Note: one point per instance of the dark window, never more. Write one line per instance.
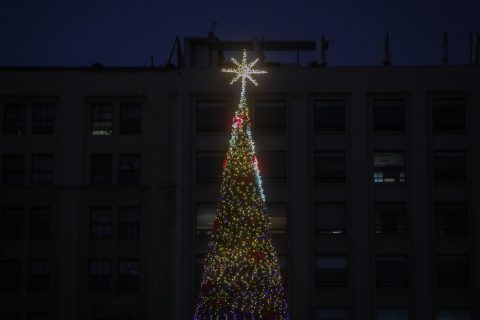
(392, 271)
(14, 119)
(209, 166)
(42, 169)
(451, 217)
(39, 276)
(100, 223)
(330, 167)
(392, 314)
(330, 218)
(390, 218)
(453, 271)
(454, 314)
(43, 118)
(13, 170)
(206, 213)
(270, 115)
(129, 169)
(448, 114)
(130, 118)
(40, 223)
(129, 226)
(388, 115)
(273, 166)
(211, 116)
(282, 262)
(102, 119)
(10, 276)
(199, 260)
(99, 279)
(450, 166)
(389, 167)
(329, 115)
(101, 169)
(11, 227)
(323, 313)
(38, 316)
(331, 271)
(277, 212)
(128, 275)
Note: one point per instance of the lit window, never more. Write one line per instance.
(42, 169)
(209, 166)
(277, 212)
(13, 170)
(331, 314)
(129, 169)
(10, 276)
(206, 213)
(211, 115)
(129, 226)
(128, 275)
(270, 115)
(390, 218)
(43, 118)
(101, 169)
(392, 314)
(392, 271)
(273, 166)
(388, 115)
(448, 114)
(450, 166)
(100, 223)
(130, 118)
(389, 167)
(39, 276)
(99, 279)
(331, 271)
(454, 314)
(102, 119)
(329, 115)
(330, 218)
(330, 167)
(453, 271)
(40, 223)
(451, 218)
(14, 119)
(11, 224)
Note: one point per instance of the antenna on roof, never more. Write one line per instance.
(444, 46)
(475, 48)
(387, 54)
(322, 48)
(213, 23)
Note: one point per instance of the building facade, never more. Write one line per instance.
(110, 177)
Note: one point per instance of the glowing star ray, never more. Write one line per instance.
(244, 71)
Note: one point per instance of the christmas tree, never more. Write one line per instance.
(241, 274)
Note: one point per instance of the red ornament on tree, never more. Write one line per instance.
(258, 256)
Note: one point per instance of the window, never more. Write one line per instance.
(11, 227)
(102, 119)
(211, 115)
(331, 314)
(273, 166)
(330, 167)
(448, 114)
(42, 169)
(10, 276)
(329, 115)
(129, 227)
(450, 166)
(100, 223)
(128, 279)
(390, 218)
(453, 271)
(206, 213)
(454, 314)
(391, 271)
(392, 314)
(43, 117)
(39, 276)
(331, 271)
(99, 276)
(199, 259)
(389, 167)
(277, 212)
(14, 119)
(40, 223)
(101, 169)
(282, 261)
(13, 170)
(451, 218)
(129, 167)
(209, 166)
(330, 218)
(388, 115)
(270, 115)
(130, 118)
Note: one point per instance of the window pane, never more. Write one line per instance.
(450, 166)
(101, 169)
(209, 166)
(331, 271)
(206, 213)
(99, 276)
(40, 223)
(11, 223)
(391, 271)
(273, 166)
(454, 314)
(43, 118)
(331, 314)
(10, 276)
(128, 275)
(451, 217)
(392, 314)
(330, 218)
(270, 115)
(129, 227)
(390, 218)
(39, 276)
(329, 115)
(102, 119)
(42, 169)
(130, 118)
(100, 223)
(129, 169)
(453, 271)
(448, 114)
(211, 116)
(277, 212)
(14, 119)
(13, 170)
(389, 167)
(388, 115)
(330, 167)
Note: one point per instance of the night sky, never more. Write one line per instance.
(126, 33)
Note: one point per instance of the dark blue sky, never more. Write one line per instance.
(126, 33)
